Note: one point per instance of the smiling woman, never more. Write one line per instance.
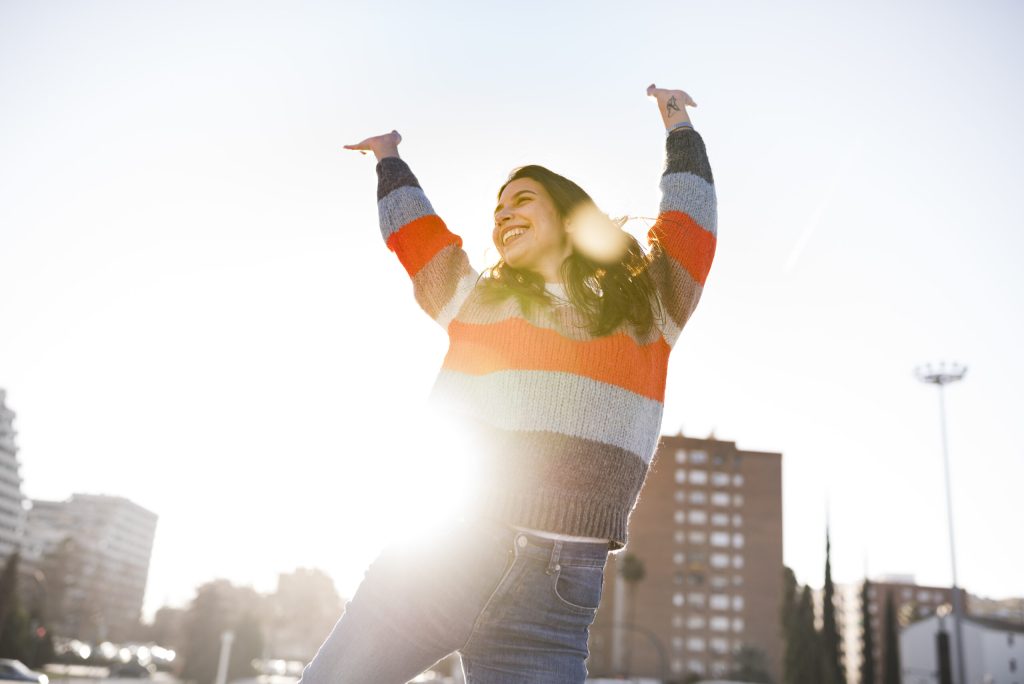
(553, 390)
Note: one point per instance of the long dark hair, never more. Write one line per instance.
(606, 287)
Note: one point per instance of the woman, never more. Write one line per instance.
(556, 368)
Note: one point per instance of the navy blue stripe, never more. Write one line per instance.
(393, 172)
(686, 153)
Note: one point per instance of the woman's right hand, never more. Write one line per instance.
(385, 145)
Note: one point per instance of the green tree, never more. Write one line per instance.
(867, 639)
(809, 668)
(219, 606)
(749, 664)
(8, 590)
(831, 649)
(891, 638)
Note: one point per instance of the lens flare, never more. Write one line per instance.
(596, 236)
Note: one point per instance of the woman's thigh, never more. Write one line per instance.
(417, 603)
(535, 628)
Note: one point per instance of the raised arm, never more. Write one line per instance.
(683, 238)
(432, 255)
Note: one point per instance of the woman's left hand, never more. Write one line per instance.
(672, 104)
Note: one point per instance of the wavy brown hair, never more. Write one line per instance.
(607, 291)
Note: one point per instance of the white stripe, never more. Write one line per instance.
(554, 401)
(462, 290)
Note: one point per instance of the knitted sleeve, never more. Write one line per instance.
(683, 237)
(432, 255)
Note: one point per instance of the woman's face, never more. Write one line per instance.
(528, 231)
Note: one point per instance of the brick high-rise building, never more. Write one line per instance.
(708, 529)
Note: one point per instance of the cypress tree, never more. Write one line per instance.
(809, 667)
(788, 621)
(891, 671)
(867, 652)
(830, 647)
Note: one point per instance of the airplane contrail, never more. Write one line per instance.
(826, 199)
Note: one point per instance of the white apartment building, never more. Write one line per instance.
(993, 650)
(12, 513)
(107, 542)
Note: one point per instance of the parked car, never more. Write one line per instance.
(15, 670)
(133, 669)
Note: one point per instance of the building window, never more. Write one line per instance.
(719, 560)
(737, 541)
(720, 479)
(677, 621)
(698, 456)
(737, 580)
(737, 625)
(698, 477)
(719, 581)
(680, 476)
(737, 561)
(719, 623)
(678, 558)
(678, 577)
(717, 460)
(737, 480)
(719, 499)
(737, 520)
(719, 602)
(718, 668)
(680, 536)
(698, 517)
(677, 666)
(680, 455)
(697, 599)
(695, 622)
(696, 666)
(680, 517)
(697, 537)
(737, 603)
(680, 496)
(719, 645)
(719, 538)
(678, 600)
(1013, 664)
(696, 579)
(695, 644)
(720, 519)
(698, 497)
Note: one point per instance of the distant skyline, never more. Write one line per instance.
(197, 311)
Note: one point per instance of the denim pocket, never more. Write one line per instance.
(579, 587)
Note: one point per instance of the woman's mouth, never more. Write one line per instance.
(511, 234)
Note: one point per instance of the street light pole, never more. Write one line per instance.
(940, 376)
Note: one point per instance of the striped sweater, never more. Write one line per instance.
(563, 425)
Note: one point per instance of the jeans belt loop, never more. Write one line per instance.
(556, 550)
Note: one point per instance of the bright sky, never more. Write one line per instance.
(198, 312)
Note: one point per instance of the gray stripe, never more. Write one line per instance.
(401, 206)
(552, 401)
(690, 194)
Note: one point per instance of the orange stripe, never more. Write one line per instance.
(686, 242)
(418, 241)
(515, 344)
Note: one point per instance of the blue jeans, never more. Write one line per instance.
(517, 607)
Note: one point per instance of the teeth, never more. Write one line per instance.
(511, 235)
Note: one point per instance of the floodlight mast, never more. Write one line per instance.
(940, 376)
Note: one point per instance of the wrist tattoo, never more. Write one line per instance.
(671, 106)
